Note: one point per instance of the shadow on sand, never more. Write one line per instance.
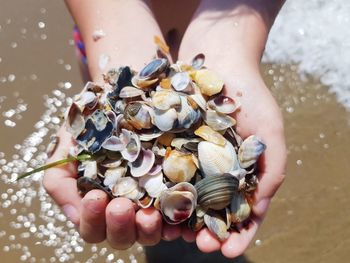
(181, 251)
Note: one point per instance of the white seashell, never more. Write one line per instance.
(143, 164)
(153, 184)
(113, 143)
(127, 187)
(132, 147)
(75, 122)
(217, 225)
(165, 99)
(178, 202)
(215, 159)
(217, 121)
(250, 150)
(90, 169)
(198, 97)
(179, 166)
(164, 120)
(223, 104)
(112, 175)
(130, 92)
(181, 82)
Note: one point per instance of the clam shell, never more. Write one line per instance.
(178, 203)
(208, 81)
(217, 121)
(196, 221)
(127, 187)
(144, 84)
(132, 147)
(143, 164)
(165, 99)
(250, 150)
(153, 184)
(145, 201)
(154, 68)
(210, 135)
(198, 61)
(178, 143)
(215, 159)
(90, 169)
(138, 115)
(86, 184)
(75, 122)
(181, 82)
(187, 115)
(164, 120)
(223, 104)
(112, 175)
(217, 225)
(130, 92)
(216, 192)
(240, 208)
(113, 143)
(179, 167)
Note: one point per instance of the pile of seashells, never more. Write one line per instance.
(164, 137)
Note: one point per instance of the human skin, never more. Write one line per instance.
(232, 35)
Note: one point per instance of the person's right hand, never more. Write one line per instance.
(98, 218)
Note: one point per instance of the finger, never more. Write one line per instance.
(188, 235)
(92, 219)
(206, 242)
(149, 226)
(171, 232)
(120, 219)
(272, 167)
(237, 243)
(60, 182)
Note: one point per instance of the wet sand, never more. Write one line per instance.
(308, 219)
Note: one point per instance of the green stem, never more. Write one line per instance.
(81, 158)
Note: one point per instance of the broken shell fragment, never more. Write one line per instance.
(179, 166)
(130, 92)
(217, 225)
(178, 203)
(210, 135)
(165, 99)
(208, 81)
(75, 122)
(250, 150)
(240, 208)
(138, 115)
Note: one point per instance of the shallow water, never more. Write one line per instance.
(309, 217)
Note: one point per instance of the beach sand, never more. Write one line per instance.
(309, 216)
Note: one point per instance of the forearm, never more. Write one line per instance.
(231, 33)
(129, 27)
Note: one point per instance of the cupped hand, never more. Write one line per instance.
(260, 115)
(98, 218)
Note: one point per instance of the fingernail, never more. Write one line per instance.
(261, 207)
(121, 217)
(72, 213)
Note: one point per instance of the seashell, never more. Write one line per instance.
(144, 83)
(223, 104)
(98, 128)
(250, 150)
(113, 143)
(198, 61)
(143, 164)
(187, 115)
(240, 208)
(181, 82)
(215, 159)
(210, 135)
(208, 81)
(132, 146)
(178, 203)
(112, 175)
(164, 120)
(154, 68)
(145, 201)
(216, 192)
(90, 169)
(75, 122)
(178, 143)
(165, 84)
(196, 221)
(233, 138)
(88, 99)
(138, 115)
(217, 225)
(86, 184)
(52, 146)
(217, 121)
(148, 135)
(165, 99)
(198, 97)
(153, 184)
(130, 92)
(127, 187)
(111, 162)
(179, 166)
(166, 138)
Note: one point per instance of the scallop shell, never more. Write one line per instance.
(215, 159)
(179, 167)
(178, 203)
(250, 150)
(208, 81)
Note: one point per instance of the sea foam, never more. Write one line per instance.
(316, 35)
